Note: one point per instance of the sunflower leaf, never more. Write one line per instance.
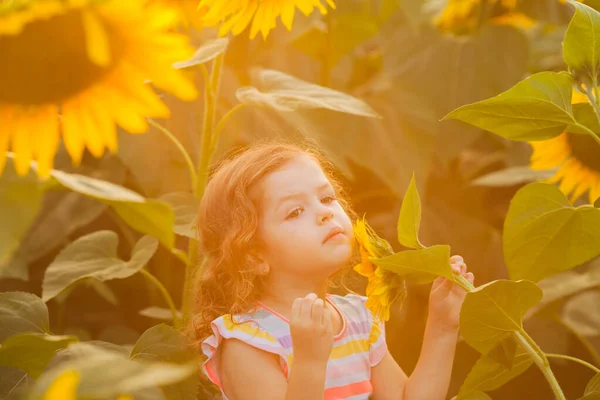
(536, 108)
(581, 45)
(283, 92)
(94, 256)
(208, 51)
(409, 219)
(492, 312)
(488, 374)
(419, 266)
(544, 234)
(31, 352)
(22, 312)
(578, 313)
(593, 386)
(511, 176)
(475, 395)
(185, 207)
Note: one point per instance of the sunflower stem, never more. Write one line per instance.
(593, 101)
(221, 124)
(177, 143)
(165, 293)
(463, 282)
(574, 359)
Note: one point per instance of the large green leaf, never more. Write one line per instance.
(206, 52)
(581, 45)
(409, 219)
(94, 256)
(31, 352)
(488, 374)
(20, 201)
(419, 266)
(536, 108)
(22, 312)
(494, 311)
(592, 389)
(544, 234)
(148, 216)
(104, 373)
(512, 176)
(185, 207)
(582, 312)
(163, 343)
(283, 92)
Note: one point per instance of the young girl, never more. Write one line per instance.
(275, 228)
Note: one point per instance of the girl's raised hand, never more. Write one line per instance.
(311, 329)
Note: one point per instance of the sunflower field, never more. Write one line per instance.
(466, 127)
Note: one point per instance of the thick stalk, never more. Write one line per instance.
(574, 359)
(221, 124)
(177, 143)
(188, 283)
(165, 293)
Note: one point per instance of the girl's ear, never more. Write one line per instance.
(261, 266)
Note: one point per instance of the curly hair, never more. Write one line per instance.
(227, 225)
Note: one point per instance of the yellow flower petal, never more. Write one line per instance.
(64, 387)
(96, 38)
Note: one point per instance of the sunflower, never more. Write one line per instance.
(464, 13)
(78, 68)
(384, 287)
(235, 15)
(577, 157)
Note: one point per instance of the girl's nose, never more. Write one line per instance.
(325, 216)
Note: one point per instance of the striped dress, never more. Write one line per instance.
(356, 348)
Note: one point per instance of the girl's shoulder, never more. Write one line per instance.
(353, 306)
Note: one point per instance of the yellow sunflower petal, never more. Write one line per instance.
(287, 15)
(245, 18)
(72, 128)
(21, 143)
(47, 139)
(64, 387)
(96, 38)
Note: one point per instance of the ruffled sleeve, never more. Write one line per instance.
(248, 331)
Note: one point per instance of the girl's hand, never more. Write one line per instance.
(312, 333)
(446, 297)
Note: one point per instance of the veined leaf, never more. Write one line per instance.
(208, 51)
(159, 313)
(185, 207)
(409, 219)
(544, 234)
(22, 312)
(283, 92)
(94, 256)
(537, 108)
(419, 266)
(511, 176)
(581, 45)
(581, 312)
(31, 352)
(492, 312)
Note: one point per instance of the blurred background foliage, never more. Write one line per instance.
(412, 61)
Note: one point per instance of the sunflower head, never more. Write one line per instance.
(463, 15)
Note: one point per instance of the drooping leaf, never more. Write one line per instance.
(592, 389)
(208, 51)
(544, 234)
(31, 352)
(419, 266)
(581, 312)
(512, 176)
(283, 92)
(581, 45)
(537, 108)
(14, 383)
(20, 201)
(492, 312)
(488, 374)
(94, 256)
(409, 219)
(159, 313)
(22, 312)
(148, 216)
(163, 343)
(104, 373)
(185, 207)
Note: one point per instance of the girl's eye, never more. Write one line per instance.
(294, 213)
(327, 199)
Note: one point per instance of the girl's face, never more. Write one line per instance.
(298, 215)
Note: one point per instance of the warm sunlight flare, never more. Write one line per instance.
(384, 288)
(236, 15)
(77, 69)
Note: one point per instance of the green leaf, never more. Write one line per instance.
(94, 256)
(185, 207)
(488, 374)
(409, 219)
(593, 386)
(208, 51)
(511, 176)
(492, 312)
(163, 343)
(536, 108)
(544, 234)
(14, 383)
(105, 374)
(581, 45)
(419, 266)
(159, 313)
(20, 201)
(22, 312)
(283, 92)
(148, 216)
(31, 352)
(581, 312)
